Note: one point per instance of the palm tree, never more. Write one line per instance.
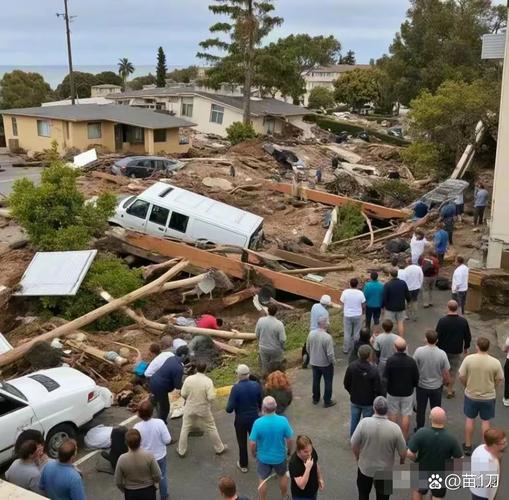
(125, 68)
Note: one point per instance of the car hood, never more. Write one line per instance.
(69, 380)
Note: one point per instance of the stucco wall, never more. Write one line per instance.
(79, 136)
(27, 133)
(171, 145)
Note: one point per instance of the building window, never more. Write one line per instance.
(94, 130)
(160, 135)
(178, 222)
(187, 107)
(136, 135)
(43, 128)
(14, 126)
(216, 114)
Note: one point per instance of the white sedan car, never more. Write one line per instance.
(56, 402)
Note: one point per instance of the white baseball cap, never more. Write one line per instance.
(326, 300)
(242, 370)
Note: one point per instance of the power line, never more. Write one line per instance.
(68, 19)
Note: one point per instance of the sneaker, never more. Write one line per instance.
(451, 395)
(225, 448)
(181, 455)
(467, 450)
(315, 402)
(505, 401)
(242, 469)
(332, 402)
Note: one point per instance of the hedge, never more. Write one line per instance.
(338, 126)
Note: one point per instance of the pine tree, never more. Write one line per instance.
(161, 68)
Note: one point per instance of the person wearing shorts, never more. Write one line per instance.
(395, 298)
(402, 377)
(270, 442)
(479, 373)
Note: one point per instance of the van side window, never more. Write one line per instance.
(159, 215)
(178, 222)
(139, 209)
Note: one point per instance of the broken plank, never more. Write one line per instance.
(237, 269)
(215, 305)
(298, 259)
(371, 209)
(326, 269)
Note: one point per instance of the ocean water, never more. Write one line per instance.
(55, 74)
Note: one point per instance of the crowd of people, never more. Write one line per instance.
(386, 383)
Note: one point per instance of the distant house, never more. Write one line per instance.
(214, 113)
(104, 90)
(116, 128)
(79, 100)
(325, 76)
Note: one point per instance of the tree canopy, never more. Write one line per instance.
(349, 58)
(108, 77)
(19, 89)
(161, 68)
(321, 97)
(250, 21)
(138, 82)
(440, 40)
(125, 68)
(358, 87)
(448, 117)
(183, 75)
(82, 83)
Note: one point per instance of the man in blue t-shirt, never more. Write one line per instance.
(270, 442)
(441, 240)
(374, 293)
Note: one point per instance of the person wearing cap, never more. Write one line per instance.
(271, 442)
(246, 401)
(166, 379)
(318, 310)
(374, 444)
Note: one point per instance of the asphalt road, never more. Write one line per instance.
(195, 477)
(8, 173)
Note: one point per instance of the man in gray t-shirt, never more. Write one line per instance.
(271, 336)
(433, 366)
(384, 348)
(374, 443)
(24, 471)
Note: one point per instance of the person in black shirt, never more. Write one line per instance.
(395, 298)
(362, 381)
(306, 477)
(454, 338)
(228, 489)
(402, 377)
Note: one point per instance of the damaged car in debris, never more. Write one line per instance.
(145, 166)
(284, 156)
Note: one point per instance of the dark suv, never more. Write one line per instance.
(144, 166)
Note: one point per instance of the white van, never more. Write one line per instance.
(167, 211)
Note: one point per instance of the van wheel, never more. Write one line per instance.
(56, 436)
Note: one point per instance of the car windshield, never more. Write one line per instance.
(12, 390)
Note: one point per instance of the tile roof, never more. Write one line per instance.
(127, 115)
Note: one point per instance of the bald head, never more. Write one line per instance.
(400, 344)
(452, 306)
(437, 416)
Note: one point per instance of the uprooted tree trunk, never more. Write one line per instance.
(158, 285)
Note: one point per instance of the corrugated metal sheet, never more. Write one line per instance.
(56, 273)
(493, 46)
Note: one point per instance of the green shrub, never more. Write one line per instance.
(395, 189)
(422, 158)
(239, 132)
(107, 272)
(350, 221)
(321, 97)
(54, 213)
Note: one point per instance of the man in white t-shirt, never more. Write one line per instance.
(354, 303)
(417, 245)
(485, 464)
(459, 286)
(160, 355)
(414, 278)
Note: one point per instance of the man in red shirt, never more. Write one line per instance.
(209, 321)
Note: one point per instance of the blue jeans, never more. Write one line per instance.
(163, 484)
(355, 415)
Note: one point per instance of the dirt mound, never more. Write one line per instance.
(13, 265)
(251, 148)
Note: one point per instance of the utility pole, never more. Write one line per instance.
(67, 19)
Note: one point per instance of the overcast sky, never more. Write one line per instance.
(105, 30)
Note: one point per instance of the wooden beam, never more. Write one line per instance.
(232, 267)
(298, 259)
(371, 209)
(326, 269)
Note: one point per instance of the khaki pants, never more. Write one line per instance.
(207, 424)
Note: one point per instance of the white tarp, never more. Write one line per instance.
(85, 158)
(56, 273)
